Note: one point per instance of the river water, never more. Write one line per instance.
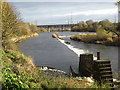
(48, 51)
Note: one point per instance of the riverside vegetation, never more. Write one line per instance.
(18, 70)
(56, 35)
(107, 33)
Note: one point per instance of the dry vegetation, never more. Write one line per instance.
(18, 71)
(56, 35)
(101, 37)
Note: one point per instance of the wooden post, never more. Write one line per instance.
(86, 65)
(98, 55)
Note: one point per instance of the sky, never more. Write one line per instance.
(47, 13)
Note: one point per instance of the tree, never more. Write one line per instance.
(101, 33)
(75, 28)
(110, 27)
(90, 25)
(23, 29)
(89, 22)
(107, 24)
(90, 28)
(85, 26)
(9, 22)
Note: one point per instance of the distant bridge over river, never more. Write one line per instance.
(57, 26)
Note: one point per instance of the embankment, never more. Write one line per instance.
(20, 72)
(18, 39)
(96, 39)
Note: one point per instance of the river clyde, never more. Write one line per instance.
(48, 51)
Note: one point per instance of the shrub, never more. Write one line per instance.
(101, 33)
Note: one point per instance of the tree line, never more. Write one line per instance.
(91, 26)
(12, 25)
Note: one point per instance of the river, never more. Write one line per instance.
(48, 51)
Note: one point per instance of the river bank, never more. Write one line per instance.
(81, 48)
(19, 71)
(60, 52)
(19, 39)
(95, 39)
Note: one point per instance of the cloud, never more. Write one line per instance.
(98, 12)
(83, 15)
(38, 15)
(91, 12)
(50, 13)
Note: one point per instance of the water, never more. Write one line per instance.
(48, 51)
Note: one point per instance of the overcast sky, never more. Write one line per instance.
(66, 12)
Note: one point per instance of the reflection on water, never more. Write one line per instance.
(50, 52)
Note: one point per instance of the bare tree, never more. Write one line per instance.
(9, 22)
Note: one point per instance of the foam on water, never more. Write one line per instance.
(75, 50)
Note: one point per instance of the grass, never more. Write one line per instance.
(26, 75)
(19, 71)
(33, 78)
(88, 38)
(56, 35)
(21, 38)
(97, 39)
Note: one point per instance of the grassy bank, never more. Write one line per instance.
(97, 39)
(18, 70)
(20, 38)
(56, 35)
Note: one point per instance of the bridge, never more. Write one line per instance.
(61, 27)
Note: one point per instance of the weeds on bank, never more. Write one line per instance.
(26, 75)
(96, 38)
(18, 71)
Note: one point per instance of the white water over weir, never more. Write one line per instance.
(75, 50)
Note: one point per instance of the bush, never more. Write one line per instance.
(101, 33)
